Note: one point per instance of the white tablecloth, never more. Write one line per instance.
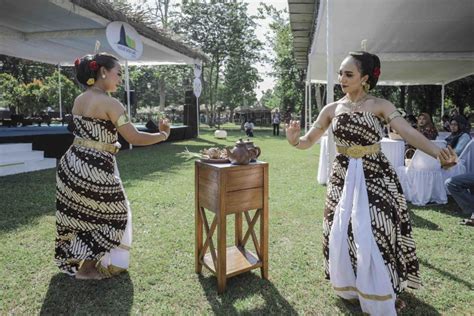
(323, 161)
(394, 150)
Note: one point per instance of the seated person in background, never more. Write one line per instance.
(461, 187)
(459, 134)
(248, 126)
(412, 120)
(426, 127)
(445, 120)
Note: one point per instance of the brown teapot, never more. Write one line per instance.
(240, 154)
(250, 145)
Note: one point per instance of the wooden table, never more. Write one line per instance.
(226, 189)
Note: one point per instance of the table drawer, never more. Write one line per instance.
(244, 179)
(244, 200)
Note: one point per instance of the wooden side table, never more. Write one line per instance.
(226, 189)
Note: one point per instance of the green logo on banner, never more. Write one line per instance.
(126, 40)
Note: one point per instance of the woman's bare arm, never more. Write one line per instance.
(129, 131)
(316, 131)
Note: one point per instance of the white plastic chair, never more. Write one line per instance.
(423, 180)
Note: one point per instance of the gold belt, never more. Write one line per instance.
(358, 151)
(111, 148)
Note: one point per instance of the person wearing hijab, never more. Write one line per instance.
(459, 134)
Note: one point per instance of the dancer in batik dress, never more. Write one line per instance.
(93, 218)
(368, 247)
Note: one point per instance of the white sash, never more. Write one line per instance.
(372, 286)
(118, 259)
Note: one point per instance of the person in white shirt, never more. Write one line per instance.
(276, 123)
(249, 126)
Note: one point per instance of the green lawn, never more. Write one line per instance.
(160, 185)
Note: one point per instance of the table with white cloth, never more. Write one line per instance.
(323, 161)
(394, 150)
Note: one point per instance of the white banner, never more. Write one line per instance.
(124, 40)
(197, 87)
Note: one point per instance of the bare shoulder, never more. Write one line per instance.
(382, 102)
(330, 108)
(383, 107)
(113, 107)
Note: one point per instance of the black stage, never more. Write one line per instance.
(55, 140)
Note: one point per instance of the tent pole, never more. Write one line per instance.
(309, 104)
(331, 147)
(305, 106)
(197, 122)
(442, 101)
(127, 88)
(59, 92)
(329, 53)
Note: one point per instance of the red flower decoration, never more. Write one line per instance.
(376, 72)
(77, 62)
(93, 65)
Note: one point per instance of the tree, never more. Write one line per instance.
(7, 88)
(69, 92)
(461, 93)
(241, 76)
(25, 71)
(31, 98)
(289, 88)
(207, 25)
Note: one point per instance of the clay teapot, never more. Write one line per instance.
(240, 154)
(250, 145)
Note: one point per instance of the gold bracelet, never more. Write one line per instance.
(122, 120)
(317, 125)
(393, 115)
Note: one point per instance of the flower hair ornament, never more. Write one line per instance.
(376, 72)
(93, 65)
(90, 81)
(77, 62)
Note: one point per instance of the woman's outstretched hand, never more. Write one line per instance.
(165, 126)
(293, 130)
(447, 157)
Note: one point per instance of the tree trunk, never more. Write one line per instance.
(409, 107)
(162, 95)
(402, 96)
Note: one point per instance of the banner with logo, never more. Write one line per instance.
(124, 40)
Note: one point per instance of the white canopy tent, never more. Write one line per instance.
(59, 31)
(419, 42)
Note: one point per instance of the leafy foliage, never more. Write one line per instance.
(288, 93)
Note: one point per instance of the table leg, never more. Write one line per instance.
(264, 228)
(221, 252)
(199, 234)
(238, 229)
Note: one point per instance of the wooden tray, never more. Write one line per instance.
(215, 160)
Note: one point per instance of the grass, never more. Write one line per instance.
(160, 186)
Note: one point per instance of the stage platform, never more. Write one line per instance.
(55, 140)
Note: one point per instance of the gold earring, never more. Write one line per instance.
(365, 86)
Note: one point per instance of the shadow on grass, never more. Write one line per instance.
(26, 197)
(414, 306)
(447, 209)
(242, 286)
(447, 274)
(68, 296)
(420, 222)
